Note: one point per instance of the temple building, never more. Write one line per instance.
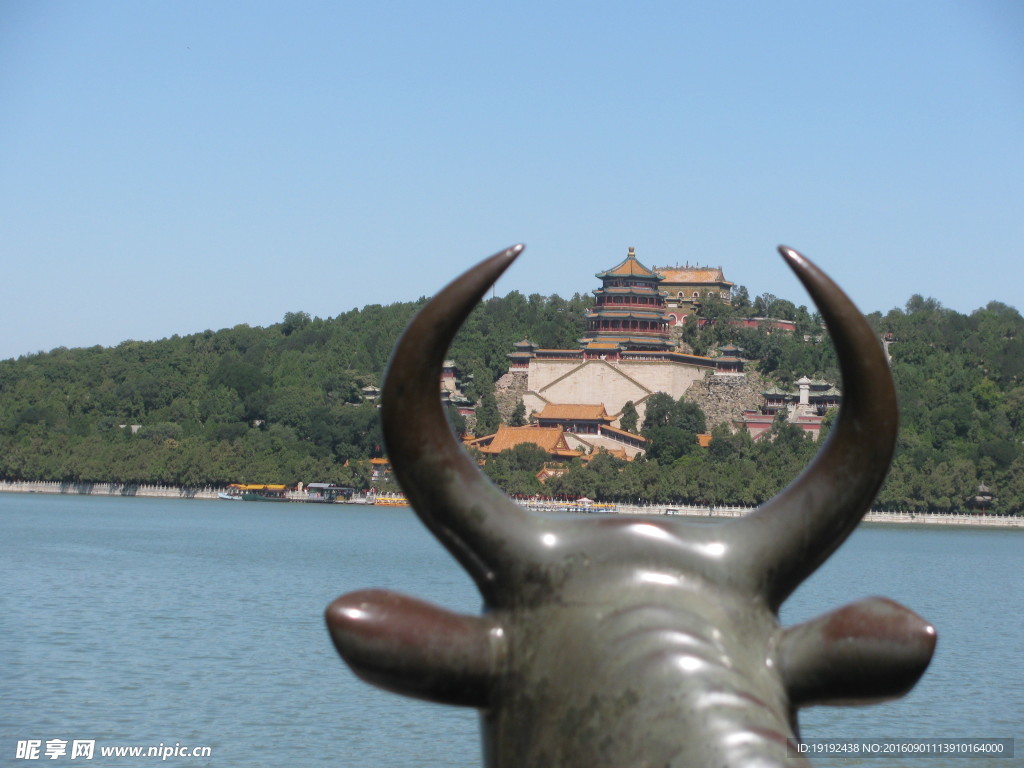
(814, 397)
(983, 499)
(526, 351)
(685, 288)
(452, 385)
(730, 360)
(579, 419)
(566, 431)
(805, 408)
(589, 428)
(629, 310)
(550, 439)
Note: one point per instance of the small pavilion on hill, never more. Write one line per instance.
(730, 360)
(525, 352)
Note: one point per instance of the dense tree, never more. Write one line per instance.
(629, 418)
(487, 417)
(518, 417)
(671, 426)
(515, 470)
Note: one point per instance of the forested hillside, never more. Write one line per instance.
(278, 404)
(284, 404)
(960, 380)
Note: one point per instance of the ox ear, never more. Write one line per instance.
(487, 532)
(785, 540)
(411, 647)
(870, 651)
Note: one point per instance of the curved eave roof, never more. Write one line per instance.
(640, 314)
(630, 290)
(623, 335)
(630, 267)
(573, 412)
(694, 276)
(624, 433)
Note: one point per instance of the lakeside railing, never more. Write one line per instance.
(108, 489)
(898, 517)
(874, 516)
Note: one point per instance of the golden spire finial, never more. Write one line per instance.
(632, 253)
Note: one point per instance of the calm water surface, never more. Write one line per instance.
(148, 621)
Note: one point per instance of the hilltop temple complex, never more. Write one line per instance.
(626, 355)
(574, 398)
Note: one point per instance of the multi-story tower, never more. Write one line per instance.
(629, 311)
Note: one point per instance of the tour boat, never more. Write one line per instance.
(263, 492)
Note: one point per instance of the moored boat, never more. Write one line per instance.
(264, 492)
(327, 493)
(390, 500)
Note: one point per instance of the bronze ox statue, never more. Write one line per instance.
(625, 641)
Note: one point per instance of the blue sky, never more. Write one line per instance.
(171, 167)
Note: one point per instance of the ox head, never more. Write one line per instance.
(634, 641)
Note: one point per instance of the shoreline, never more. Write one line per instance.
(175, 492)
(874, 516)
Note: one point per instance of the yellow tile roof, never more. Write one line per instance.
(571, 412)
(694, 275)
(648, 339)
(617, 431)
(630, 268)
(551, 439)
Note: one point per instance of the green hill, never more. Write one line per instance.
(284, 404)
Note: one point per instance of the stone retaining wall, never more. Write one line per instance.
(724, 397)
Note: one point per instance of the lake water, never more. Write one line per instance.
(199, 623)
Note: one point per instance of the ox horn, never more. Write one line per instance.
(483, 529)
(786, 540)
